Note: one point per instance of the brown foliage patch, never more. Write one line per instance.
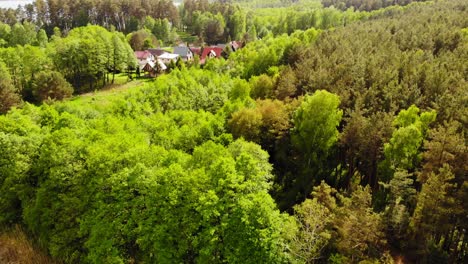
(16, 248)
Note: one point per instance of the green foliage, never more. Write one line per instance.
(21, 34)
(42, 38)
(140, 184)
(402, 71)
(360, 230)
(239, 26)
(20, 139)
(160, 173)
(162, 29)
(5, 31)
(445, 145)
(69, 14)
(313, 138)
(403, 150)
(314, 234)
(23, 63)
(338, 259)
(193, 89)
(315, 125)
(88, 54)
(258, 56)
(50, 85)
(434, 206)
(8, 95)
(367, 5)
(264, 124)
(401, 202)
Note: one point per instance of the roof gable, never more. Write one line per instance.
(206, 51)
(196, 50)
(235, 45)
(183, 51)
(169, 56)
(157, 52)
(142, 55)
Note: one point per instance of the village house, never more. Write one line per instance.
(196, 51)
(223, 46)
(148, 62)
(157, 52)
(164, 56)
(144, 57)
(210, 53)
(155, 61)
(154, 68)
(168, 57)
(184, 52)
(235, 45)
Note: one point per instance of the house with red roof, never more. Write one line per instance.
(144, 56)
(210, 53)
(196, 51)
(235, 45)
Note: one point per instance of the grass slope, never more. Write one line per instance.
(16, 247)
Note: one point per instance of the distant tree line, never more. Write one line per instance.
(211, 22)
(123, 15)
(366, 5)
(38, 70)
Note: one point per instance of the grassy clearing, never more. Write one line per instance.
(187, 38)
(15, 247)
(101, 97)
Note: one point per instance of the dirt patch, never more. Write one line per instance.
(16, 248)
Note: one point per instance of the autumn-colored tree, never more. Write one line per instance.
(246, 123)
(142, 40)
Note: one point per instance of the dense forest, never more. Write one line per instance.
(337, 134)
(367, 5)
(48, 55)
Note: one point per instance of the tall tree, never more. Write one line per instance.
(22, 34)
(315, 126)
(445, 145)
(8, 95)
(432, 217)
(314, 233)
(404, 149)
(314, 135)
(360, 230)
